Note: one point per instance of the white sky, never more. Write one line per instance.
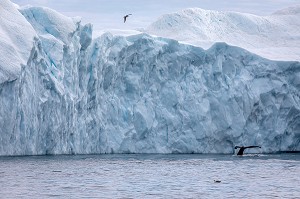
(108, 14)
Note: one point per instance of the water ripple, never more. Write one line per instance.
(150, 176)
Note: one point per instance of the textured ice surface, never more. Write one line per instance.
(16, 41)
(275, 37)
(141, 94)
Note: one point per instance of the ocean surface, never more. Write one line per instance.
(151, 176)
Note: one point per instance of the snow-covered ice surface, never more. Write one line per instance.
(137, 94)
(15, 43)
(275, 37)
(116, 32)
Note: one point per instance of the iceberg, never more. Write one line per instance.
(67, 93)
(274, 37)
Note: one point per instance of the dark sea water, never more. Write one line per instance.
(151, 176)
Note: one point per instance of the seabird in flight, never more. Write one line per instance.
(125, 17)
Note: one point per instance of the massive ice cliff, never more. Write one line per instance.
(69, 94)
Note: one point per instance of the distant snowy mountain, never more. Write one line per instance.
(274, 37)
(61, 92)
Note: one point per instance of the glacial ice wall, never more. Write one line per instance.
(141, 94)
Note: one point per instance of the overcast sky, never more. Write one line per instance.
(108, 14)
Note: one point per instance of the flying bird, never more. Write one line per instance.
(125, 17)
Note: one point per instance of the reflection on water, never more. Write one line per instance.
(151, 176)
